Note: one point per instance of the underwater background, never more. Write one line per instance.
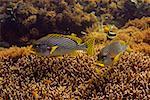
(26, 75)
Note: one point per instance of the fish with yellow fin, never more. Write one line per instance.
(57, 45)
(109, 30)
(111, 53)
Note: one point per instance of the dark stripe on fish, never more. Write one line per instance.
(111, 34)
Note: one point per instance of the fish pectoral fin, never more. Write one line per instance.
(53, 49)
(117, 57)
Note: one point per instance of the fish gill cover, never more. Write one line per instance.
(26, 75)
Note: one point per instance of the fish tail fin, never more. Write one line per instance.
(90, 46)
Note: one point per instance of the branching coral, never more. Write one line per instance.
(129, 77)
(49, 16)
(136, 34)
(143, 23)
(34, 76)
(48, 78)
(25, 75)
(14, 52)
(63, 16)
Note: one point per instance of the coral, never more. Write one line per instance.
(14, 52)
(98, 36)
(65, 17)
(128, 78)
(141, 47)
(48, 16)
(142, 24)
(37, 77)
(136, 35)
(26, 75)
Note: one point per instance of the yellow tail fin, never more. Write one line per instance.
(90, 46)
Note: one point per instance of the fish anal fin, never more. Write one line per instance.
(76, 52)
(99, 64)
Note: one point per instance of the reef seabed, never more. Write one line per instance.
(26, 75)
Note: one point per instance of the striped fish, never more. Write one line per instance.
(56, 45)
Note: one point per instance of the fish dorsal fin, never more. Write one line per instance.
(54, 35)
(120, 41)
(74, 38)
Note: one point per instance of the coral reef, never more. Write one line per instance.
(142, 24)
(14, 52)
(37, 77)
(33, 76)
(23, 20)
(129, 77)
(136, 33)
(38, 18)
(27, 75)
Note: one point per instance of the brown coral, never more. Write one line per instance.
(14, 52)
(136, 37)
(129, 77)
(38, 77)
(24, 75)
(142, 24)
(47, 78)
(49, 16)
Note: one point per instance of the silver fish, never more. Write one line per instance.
(109, 52)
(58, 45)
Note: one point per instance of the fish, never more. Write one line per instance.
(111, 35)
(134, 1)
(4, 44)
(108, 29)
(58, 45)
(3, 17)
(111, 52)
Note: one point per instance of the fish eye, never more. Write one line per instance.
(103, 57)
(36, 45)
(49, 48)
